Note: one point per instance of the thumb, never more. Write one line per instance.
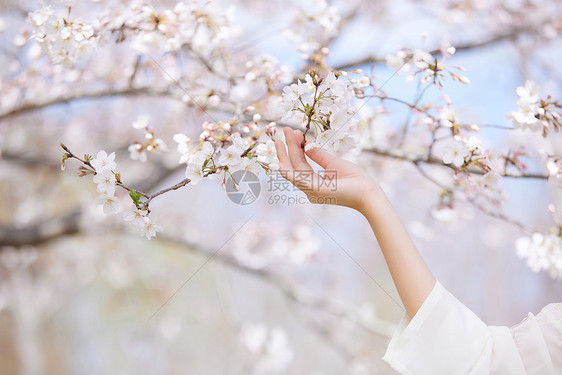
(320, 156)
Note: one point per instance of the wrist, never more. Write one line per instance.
(370, 195)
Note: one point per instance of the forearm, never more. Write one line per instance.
(413, 279)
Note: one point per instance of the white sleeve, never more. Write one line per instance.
(445, 337)
(539, 341)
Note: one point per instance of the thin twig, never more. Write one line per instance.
(149, 197)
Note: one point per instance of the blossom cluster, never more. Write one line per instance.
(425, 65)
(140, 150)
(270, 345)
(313, 27)
(106, 179)
(463, 152)
(204, 28)
(65, 41)
(534, 113)
(554, 166)
(322, 104)
(542, 252)
(220, 149)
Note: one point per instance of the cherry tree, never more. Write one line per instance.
(149, 100)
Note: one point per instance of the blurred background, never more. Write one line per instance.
(264, 288)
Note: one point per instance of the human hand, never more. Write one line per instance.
(343, 183)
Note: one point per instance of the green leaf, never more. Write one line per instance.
(134, 196)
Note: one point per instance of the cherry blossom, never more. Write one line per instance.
(555, 168)
(322, 104)
(534, 113)
(135, 217)
(271, 345)
(266, 152)
(423, 64)
(105, 181)
(141, 122)
(109, 203)
(104, 162)
(455, 152)
(194, 172)
(251, 165)
(542, 252)
(314, 26)
(137, 152)
(243, 96)
(230, 156)
(364, 82)
(66, 41)
(149, 227)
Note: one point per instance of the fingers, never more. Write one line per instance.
(284, 162)
(294, 166)
(296, 153)
(321, 157)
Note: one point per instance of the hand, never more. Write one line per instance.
(344, 183)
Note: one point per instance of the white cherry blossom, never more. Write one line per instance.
(194, 172)
(238, 143)
(542, 252)
(149, 228)
(183, 142)
(455, 152)
(266, 152)
(271, 345)
(230, 156)
(105, 181)
(104, 162)
(141, 122)
(137, 152)
(251, 165)
(135, 217)
(109, 203)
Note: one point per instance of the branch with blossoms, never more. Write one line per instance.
(209, 156)
(534, 113)
(321, 101)
(321, 104)
(542, 251)
(102, 168)
(495, 39)
(51, 228)
(101, 94)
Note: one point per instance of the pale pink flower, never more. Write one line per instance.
(141, 122)
(183, 142)
(105, 181)
(104, 162)
(134, 216)
(229, 156)
(110, 204)
(251, 165)
(194, 172)
(455, 153)
(266, 152)
(149, 228)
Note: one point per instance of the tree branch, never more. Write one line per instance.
(69, 224)
(432, 160)
(43, 231)
(30, 107)
(462, 47)
(300, 296)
